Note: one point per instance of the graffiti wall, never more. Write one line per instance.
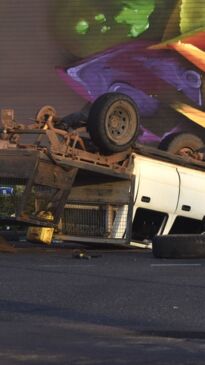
(67, 53)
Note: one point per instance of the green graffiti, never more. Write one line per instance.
(105, 29)
(90, 26)
(135, 30)
(100, 18)
(136, 14)
(82, 27)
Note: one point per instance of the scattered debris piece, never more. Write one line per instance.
(144, 244)
(83, 254)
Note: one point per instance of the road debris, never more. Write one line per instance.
(83, 254)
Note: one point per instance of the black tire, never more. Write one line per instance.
(179, 246)
(181, 143)
(113, 122)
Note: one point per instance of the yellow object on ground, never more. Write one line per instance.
(41, 234)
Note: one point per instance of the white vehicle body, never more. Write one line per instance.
(162, 197)
(174, 190)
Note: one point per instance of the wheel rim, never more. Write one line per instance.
(120, 122)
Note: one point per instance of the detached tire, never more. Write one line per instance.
(113, 122)
(181, 143)
(179, 246)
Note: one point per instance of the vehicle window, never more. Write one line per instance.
(147, 223)
(186, 225)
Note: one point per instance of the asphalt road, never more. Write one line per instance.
(119, 307)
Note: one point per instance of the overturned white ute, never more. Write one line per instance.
(163, 195)
(94, 182)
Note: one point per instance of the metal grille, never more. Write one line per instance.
(84, 220)
(101, 221)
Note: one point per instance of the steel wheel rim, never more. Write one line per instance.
(120, 122)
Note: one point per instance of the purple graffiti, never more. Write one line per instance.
(150, 77)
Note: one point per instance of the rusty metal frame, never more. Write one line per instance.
(31, 168)
(63, 150)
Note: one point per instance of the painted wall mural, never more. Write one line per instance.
(151, 50)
